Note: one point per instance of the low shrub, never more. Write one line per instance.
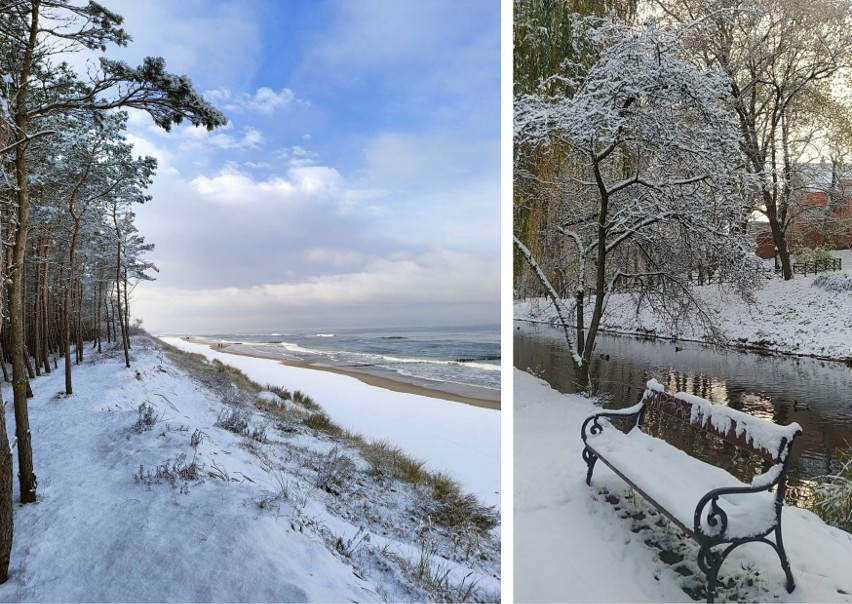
(834, 282)
(238, 377)
(234, 420)
(305, 401)
(322, 422)
(387, 460)
(813, 254)
(453, 509)
(335, 471)
(281, 392)
(171, 472)
(147, 417)
(834, 493)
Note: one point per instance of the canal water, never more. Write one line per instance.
(816, 394)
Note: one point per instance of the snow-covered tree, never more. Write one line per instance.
(652, 187)
(783, 59)
(33, 33)
(544, 38)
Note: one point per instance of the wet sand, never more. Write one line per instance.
(374, 376)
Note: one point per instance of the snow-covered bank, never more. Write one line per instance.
(171, 506)
(794, 316)
(572, 545)
(461, 440)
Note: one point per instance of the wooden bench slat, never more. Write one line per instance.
(756, 435)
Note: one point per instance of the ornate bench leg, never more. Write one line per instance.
(590, 459)
(709, 562)
(785, 564)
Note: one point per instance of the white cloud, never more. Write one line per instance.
(335, 257)
(300, 183)
(192, 138)
(425, 286)
(264, 100)
(297, 156)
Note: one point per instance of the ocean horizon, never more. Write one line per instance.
(468, 355)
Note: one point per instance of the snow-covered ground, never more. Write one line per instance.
(574, 543)
(786, 316)
(461, 440)
(176, 508)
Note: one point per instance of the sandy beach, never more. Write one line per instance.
(374, 376)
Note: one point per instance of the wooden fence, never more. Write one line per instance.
(813, 267)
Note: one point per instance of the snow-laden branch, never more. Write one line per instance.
(27, 138)
(561, 311)
(646, 177)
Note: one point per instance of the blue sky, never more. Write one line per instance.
(358, 181)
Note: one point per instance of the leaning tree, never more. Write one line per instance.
(650, 184)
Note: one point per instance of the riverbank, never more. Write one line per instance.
(786, 317)
(573, 543)
(488, 398)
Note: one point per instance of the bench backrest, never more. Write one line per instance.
(754, 434)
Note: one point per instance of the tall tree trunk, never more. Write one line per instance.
(20, 382)
(108, 311)
(118, 281)
(26, 476)
(79, 322)
(126, 312)
(6, 500)
(98, 306)
(45, 360)
(6, 462)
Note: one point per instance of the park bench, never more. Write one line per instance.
(705, 501)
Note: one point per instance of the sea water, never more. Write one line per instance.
(462, 355)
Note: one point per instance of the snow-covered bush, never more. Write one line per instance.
(454, 509)
(813, 254)
(171, 472)
(388, 460)
(282, 393)
(304, 400)
(834, 282)
(322, 422)
(834, 493)
(147, 418)
(234, 420)
(335, 471)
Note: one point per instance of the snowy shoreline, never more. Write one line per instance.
(461, 440)
(374, 376)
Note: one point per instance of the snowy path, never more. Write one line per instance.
(293, 516)
(571, 545)
(97, 535)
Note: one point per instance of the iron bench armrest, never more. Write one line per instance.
(634, 411)
(717, 515)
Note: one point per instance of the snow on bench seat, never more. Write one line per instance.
(692, 492)
(677, 481)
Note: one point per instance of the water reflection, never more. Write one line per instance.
(816, 394)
